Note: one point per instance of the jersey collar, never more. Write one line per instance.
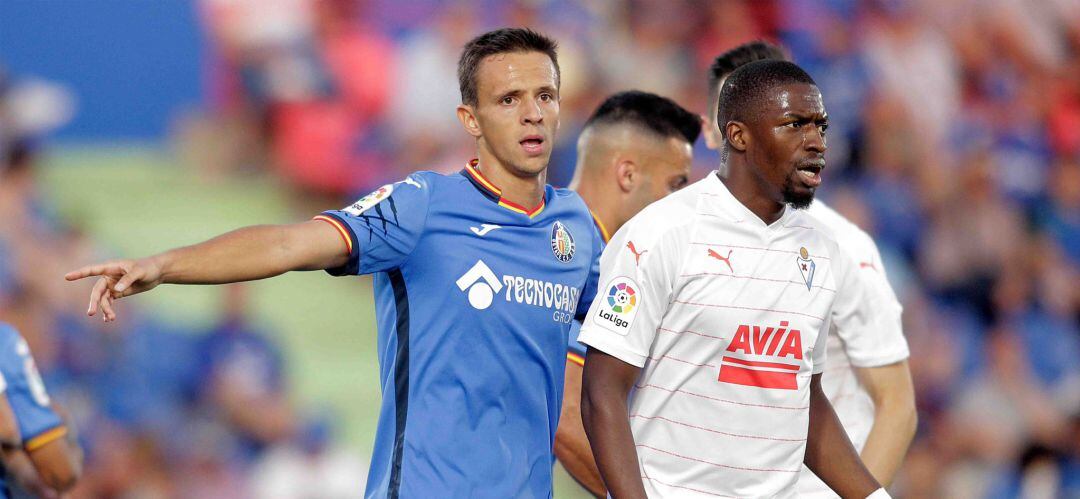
(600, 227)
(737, 212)
(493, 193)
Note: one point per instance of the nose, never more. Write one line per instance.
(532, 114)
(814, 140)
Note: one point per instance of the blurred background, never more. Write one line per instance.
(128, 127)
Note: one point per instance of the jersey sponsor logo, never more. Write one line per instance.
(482, 285)
(367, 202)
(562, 243)
(725, 259)
(807, 267)
(637, 254)
(868, 265)
(619, 306)
(778, 345)
(484, 229)
(540, 293)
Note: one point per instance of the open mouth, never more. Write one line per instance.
(533, 145)
(811, 173)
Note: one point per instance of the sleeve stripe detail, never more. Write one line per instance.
(575, 358)
(341, 230)
(41, 440)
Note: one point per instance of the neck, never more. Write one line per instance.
(603, 205)
(526, 190)
(751, 191)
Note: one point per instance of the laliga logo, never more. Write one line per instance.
(619, 306)
(482, 285)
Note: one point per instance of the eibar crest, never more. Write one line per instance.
(562, 243)
(806, 267)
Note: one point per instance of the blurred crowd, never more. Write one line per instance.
(160, 409)
(954, 140)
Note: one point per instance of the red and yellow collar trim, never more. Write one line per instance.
(600, 225)
(495, 194)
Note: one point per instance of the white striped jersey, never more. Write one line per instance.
(854, 347)
(728, 318)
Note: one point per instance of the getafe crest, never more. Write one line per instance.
(806, 267)
(562, 243)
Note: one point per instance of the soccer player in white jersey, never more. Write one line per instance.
(867, 377)
(707, 343)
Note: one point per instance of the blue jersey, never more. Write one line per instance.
(474, 299)
(38, 423)
(575, 351)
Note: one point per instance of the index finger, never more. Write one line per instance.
(90, 270)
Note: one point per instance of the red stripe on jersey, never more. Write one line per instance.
(748, 308)
(761, 379)
(783, 281)
(575, 358)
(668, 357)
(752, 363)
(699, 491)
(703, 335)
(341, 230)
(718, 465)
(688, 425)
(676, 390)
(696, 243)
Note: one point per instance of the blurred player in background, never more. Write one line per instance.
(635, 149)
(707, 341)
(38, 448)
(477, 278)
(867, 379)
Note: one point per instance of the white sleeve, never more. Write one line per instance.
(637, 271)
(869, 323)
(821, 345)
(3, 383)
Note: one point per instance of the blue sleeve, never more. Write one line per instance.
(38, 423)
(589, 291)
(382, 228)
(575, 351)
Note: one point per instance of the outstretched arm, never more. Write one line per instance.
(829, 453)
(245, 254)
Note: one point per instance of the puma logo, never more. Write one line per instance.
(637, 255)
(725, 259)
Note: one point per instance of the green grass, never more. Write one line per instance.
(138, 201)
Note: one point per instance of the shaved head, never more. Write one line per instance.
(636, 148)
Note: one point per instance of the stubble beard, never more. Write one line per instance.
(797, 200)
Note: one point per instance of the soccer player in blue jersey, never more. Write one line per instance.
(477, 275)
(38, 451)
(635, 149)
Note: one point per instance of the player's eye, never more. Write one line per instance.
(823, 127)
(546, 97)
(507, 100)
(796, 124)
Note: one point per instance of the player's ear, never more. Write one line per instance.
(467, 116)
(737, 135)
(626, 174)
